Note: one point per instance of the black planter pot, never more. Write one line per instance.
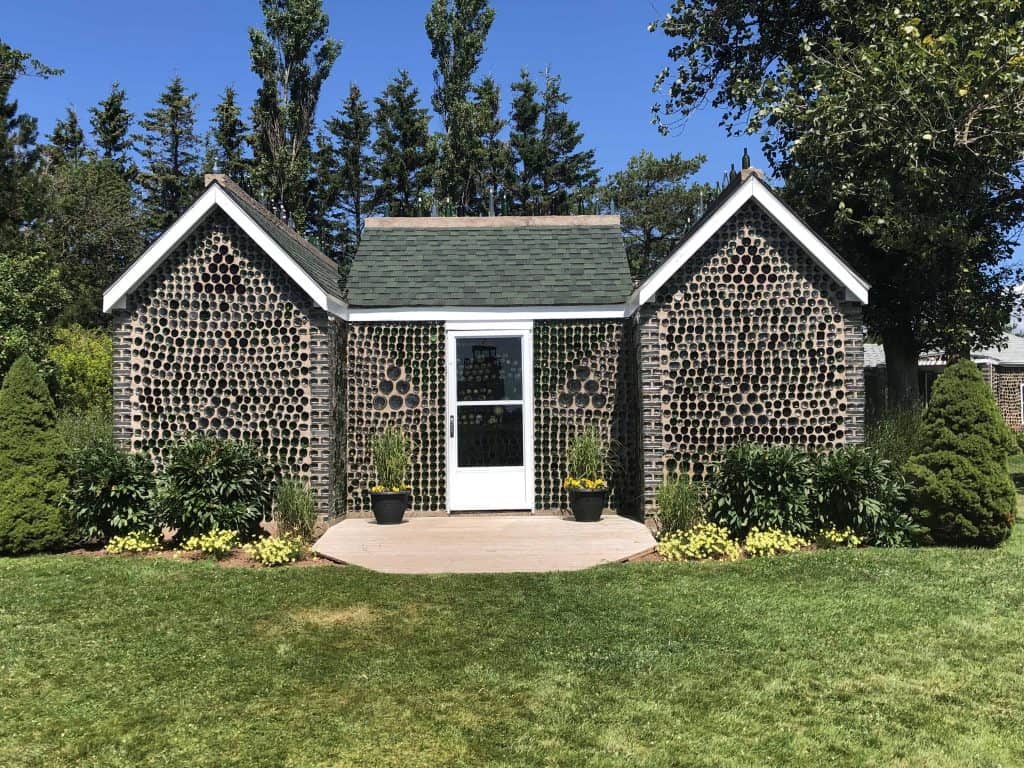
(389, 508)
(587, 506)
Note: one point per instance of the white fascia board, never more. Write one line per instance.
(114, 297)
(458, 326)
(752, 188)
(485, 314)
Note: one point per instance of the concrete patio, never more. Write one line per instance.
(494, 543)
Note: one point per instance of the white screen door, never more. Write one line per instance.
(490, 419)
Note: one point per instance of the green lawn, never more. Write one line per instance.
(870, 657)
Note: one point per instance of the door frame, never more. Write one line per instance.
(510, 328)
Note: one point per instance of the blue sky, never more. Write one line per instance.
(601, 48)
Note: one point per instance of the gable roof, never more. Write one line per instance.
(507, 261)
(314, 272)
(750, 186)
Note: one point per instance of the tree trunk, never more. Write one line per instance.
(901, 372)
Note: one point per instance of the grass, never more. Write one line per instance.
(841, 658)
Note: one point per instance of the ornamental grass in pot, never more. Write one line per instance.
(391, 496)
(586, 483)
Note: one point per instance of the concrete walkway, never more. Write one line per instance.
(484, 543)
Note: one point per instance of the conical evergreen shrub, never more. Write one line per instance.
(961, 488)
(32, 476)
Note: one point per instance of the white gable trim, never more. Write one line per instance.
(485, 314)
(752, 189)
(116, 295)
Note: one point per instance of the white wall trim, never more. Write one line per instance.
(485, 314)
(115, 296)
(752, 189)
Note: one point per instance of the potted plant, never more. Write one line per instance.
(588, 489)
(390, 497)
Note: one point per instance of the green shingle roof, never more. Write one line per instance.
(313, 262)
(542, 261)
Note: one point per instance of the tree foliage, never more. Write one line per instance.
(658, 203)
(962, 492)
(292, 56)
(170, 148)
(899, 133)
(402, 149)
(229, 137)
(82, 360)
(32, 454)
(457, 30)
(67, 140)
(32, 297)
(111, 127)
(350, 129)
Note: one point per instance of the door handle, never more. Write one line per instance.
(451, 426)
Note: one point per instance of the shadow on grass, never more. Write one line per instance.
(1016, 466)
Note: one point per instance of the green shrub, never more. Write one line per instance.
(134, 541)
(209, 484)
(704, 541)
(1020, 441)
(760, 543)
(32, 456)
(680, 504)
(82, 360)
(295, 508)
(853, 487)
(961, 490)
(82, 429)
(110, 491)
(587, 455)
(275, 550)
(391, 458)
(215, 543)
(763, 487)
(896, 436)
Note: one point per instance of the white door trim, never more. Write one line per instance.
(522, 330)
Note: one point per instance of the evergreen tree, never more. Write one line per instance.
(961, 489)
(32, 478)
(658, 204)
(111, 126)
(401, 147)
(325, 224)
(526, 142)
(229, 136)
(292, 57)
(351, 129)
(495, 161)
(19, 155)
(458, 30)
(569, 173)
(170, 148)
(67, 141)
(553, 174)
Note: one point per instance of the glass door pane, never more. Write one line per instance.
(489, 401)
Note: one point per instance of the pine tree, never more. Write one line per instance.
(569, 172)
(228, 138)
(170, 148)
(32, 479)
(351, 129)
(458, 30)
(658, 202)
(961, 489)
(495, 160)
(552, 174)
(111, 126)
(526, 142)
(292, 57)
(401, 147)
(67, 141)
(19, 155)
(325, 224)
